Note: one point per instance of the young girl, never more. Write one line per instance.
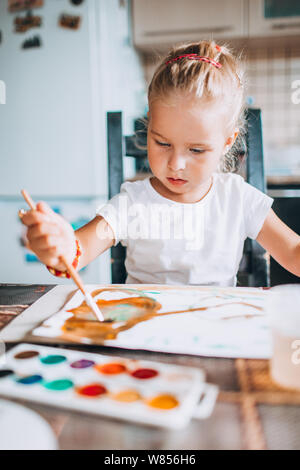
(187, 223)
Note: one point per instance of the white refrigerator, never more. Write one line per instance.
(53, 138)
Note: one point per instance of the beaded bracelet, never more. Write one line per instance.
(58, 273)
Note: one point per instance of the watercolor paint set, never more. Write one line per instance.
(144, 392)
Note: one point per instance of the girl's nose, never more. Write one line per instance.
(176, 162)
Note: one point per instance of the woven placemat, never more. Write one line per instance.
(257, 396)
(15, 298)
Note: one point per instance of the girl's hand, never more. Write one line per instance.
(49, 236)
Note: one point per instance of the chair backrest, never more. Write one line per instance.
(254, 269)
(256, 262)
(115, 179)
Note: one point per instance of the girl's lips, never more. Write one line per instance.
(176, 181)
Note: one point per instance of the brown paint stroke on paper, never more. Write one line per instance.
(83, 325)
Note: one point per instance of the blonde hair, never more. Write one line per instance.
(205, 80)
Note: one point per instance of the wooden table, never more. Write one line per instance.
(251, 412)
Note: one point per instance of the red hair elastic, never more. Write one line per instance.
(196, 57)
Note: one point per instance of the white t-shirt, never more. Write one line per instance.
(194, 244)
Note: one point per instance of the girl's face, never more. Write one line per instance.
(186, 139)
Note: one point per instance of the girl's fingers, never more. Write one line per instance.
(48, 258)
(49, 235)
(38, 230)
(33, 217)
(21, 213)
(44, 208)
(51, 243)
(45, 242)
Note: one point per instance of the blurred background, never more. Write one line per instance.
(65, 63)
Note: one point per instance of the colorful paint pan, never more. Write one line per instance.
(126, 396)
(26, 355)
(59, 385)
(144, 374)
(163, 402)
(112, 368)
(82, 364)
(91, 390)
(53, 359)
(30, 379)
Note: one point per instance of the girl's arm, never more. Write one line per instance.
(94, 238)
(281, 242)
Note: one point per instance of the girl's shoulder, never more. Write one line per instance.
(135, 189)
(232, 178)
(234, 187)
(229, 182)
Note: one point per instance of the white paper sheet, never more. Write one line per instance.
(240, 328)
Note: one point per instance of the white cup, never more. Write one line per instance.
(283, 308)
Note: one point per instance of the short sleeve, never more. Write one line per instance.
(115, 212)
(256, 208)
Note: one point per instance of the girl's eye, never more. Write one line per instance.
(197, 151)
(162, 144)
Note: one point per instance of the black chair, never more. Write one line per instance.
(287, 209)
(119, 146)
(254, 269)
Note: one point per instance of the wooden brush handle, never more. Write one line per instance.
(28, 199)
(74, 274)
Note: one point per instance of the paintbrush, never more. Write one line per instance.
(73, 273)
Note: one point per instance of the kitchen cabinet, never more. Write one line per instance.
(164, 22)
(274, 18)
